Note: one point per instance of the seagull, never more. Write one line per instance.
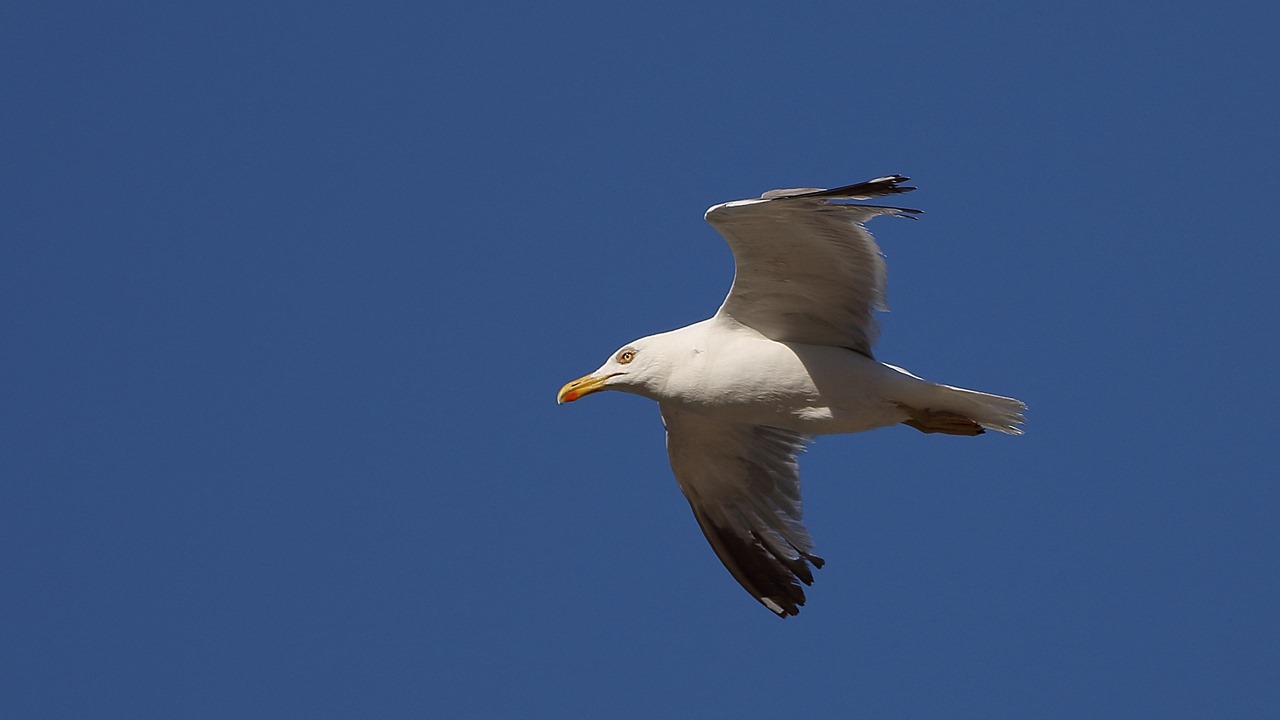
(786, 357)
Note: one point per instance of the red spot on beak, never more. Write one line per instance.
(571, 396)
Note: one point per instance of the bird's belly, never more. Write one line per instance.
(809, 389)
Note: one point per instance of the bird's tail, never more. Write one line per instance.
(991, 412)
(956, 411)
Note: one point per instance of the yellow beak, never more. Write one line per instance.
(582, 386)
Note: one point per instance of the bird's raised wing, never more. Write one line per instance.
(743, 484)
(807, 270)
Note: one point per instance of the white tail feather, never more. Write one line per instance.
(993, 412)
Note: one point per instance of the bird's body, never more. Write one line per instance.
(786, 357)
(725, 370)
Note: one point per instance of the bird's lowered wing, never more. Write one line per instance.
(807, 270)
(743, 484)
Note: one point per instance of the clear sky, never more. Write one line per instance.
(287, 291)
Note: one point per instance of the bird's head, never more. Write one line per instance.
(631, 369)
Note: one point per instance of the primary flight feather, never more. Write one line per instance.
(786, 357)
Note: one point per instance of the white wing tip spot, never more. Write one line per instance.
(772, 605)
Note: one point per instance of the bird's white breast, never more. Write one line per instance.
(734, 373)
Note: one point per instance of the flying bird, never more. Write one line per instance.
(786, 357)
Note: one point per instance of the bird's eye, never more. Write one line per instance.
(626, 356)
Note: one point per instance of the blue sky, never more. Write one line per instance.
(287, 290)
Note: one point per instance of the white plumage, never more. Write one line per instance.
(786, 357)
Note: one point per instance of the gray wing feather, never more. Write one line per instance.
(743, 484)
(807, 270)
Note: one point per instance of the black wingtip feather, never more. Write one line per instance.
(888, 185)
(761, 572)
